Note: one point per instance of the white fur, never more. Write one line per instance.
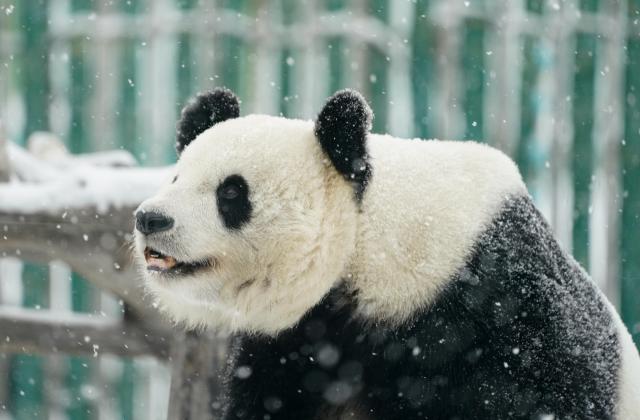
(426, 203)
(629, 374)
(425, 206)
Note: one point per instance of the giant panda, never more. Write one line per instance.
(369, 277)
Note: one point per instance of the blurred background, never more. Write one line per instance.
(553, 83)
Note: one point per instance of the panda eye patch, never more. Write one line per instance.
(233, 201)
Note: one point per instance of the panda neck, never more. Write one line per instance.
(423, 208)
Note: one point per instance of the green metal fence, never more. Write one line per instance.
(554, 83)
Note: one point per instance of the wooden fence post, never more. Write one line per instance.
(197, 366)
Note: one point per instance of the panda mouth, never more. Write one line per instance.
(166, 264)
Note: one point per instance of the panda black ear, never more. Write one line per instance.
(204, 111)
(342, 129)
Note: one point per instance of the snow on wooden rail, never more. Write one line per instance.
(57, 182)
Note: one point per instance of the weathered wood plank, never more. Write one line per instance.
(29, 331)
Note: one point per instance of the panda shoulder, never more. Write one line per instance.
(482, 159)
(450, 167)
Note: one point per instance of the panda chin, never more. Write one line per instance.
(167, 265)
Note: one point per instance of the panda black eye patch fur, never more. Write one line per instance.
(233, 201)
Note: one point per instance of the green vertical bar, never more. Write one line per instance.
(335, 4)
(78, 374)
(630, 226)
(589, 5)
(377, 88)
(422, 50)
(80, 93)
(289, 10)
(335, 49)
(26, 375)
(527, 153)
(126, 112)
(126, 118)
(84, 5)
(237, 5)
(35, 283)
(187, 56)
(185, 70)
(35, 64)
(582, 163)
(126, 387)
(233, 50)
(185, 4)
(536, 6)
(378, 69)
(26, 391)
(78, 96)
(288, 99)
(379, 9)
(130, 140)
(26, 379)
(473, 75)
(82, 293)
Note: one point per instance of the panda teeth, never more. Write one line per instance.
(157, 261)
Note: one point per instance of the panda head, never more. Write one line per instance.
(258, 221)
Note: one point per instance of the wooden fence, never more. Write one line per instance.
(554, 83)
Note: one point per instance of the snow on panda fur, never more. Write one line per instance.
(371, 277)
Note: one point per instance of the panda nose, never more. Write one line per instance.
(148, 222)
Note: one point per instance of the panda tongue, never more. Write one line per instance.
(161, 263)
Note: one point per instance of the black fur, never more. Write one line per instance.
(204, 111)
(342, 128)
(519, 333)
(233, 201)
